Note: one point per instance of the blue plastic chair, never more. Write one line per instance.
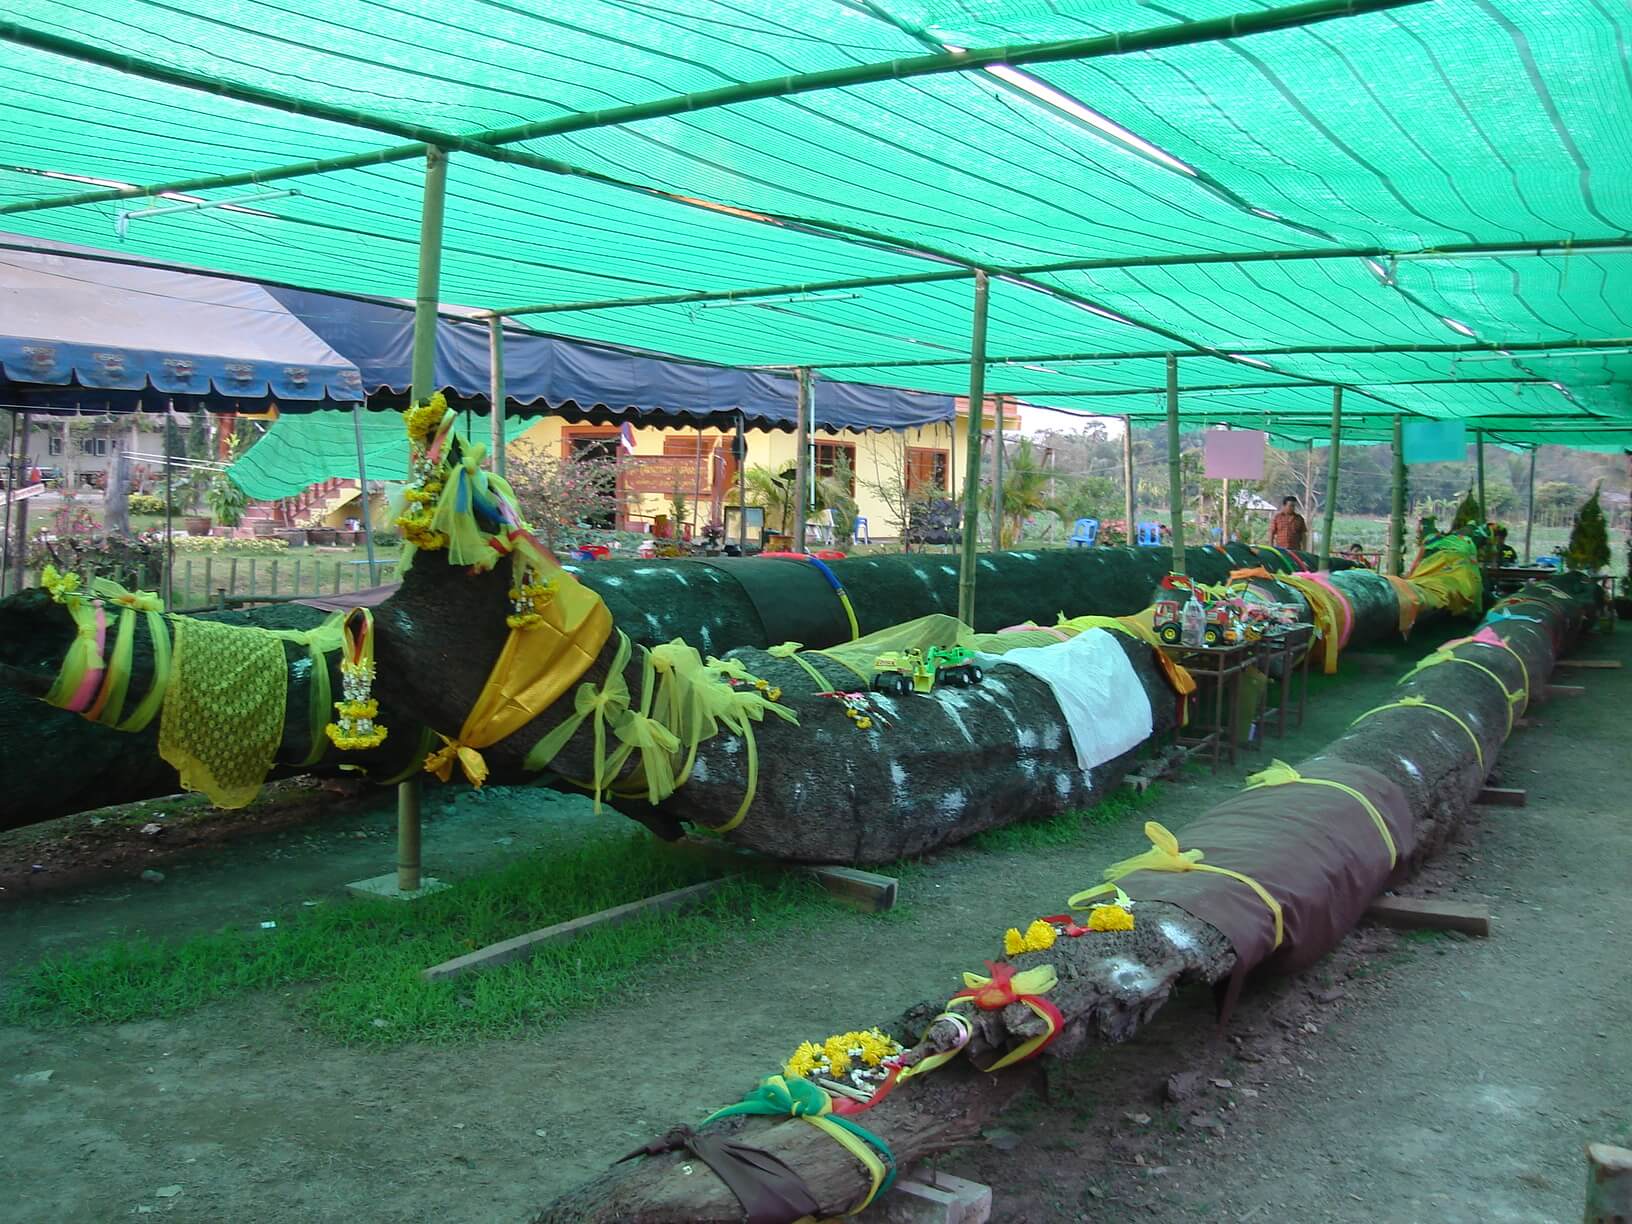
(1084, 533)
(1150, 535)
(859, 533)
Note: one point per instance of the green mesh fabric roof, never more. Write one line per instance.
(1485, 122)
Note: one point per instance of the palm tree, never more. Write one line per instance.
(1025, 492)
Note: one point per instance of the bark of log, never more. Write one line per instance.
(1111, 983)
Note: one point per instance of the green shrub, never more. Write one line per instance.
(1589, 538)
(146, 503)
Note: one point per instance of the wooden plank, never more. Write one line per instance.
(1597, 663)
(1503, 796)
(523, 946)
(1609, 1183)
(864, 890)
(1565, 690)
(1419, 914)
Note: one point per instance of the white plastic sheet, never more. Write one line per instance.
(1104, 704)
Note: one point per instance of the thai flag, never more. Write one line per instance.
(626, 438)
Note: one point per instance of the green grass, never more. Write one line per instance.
(354, 965)
(1066, 829)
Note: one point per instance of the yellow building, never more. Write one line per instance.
(698, 463)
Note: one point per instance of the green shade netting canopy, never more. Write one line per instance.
(300, 451)
(1487, 121)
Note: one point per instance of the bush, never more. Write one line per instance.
(146, 503)
(260, 545)
(1589, 538)
(127, 560)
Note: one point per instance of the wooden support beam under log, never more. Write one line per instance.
(1421, 914)
(1590, 663)
(1503, 796)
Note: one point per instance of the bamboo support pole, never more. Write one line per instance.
(1175, 477)
(971, 471)
(803, 472)
(1561, 344)
(1128, 494)
(1530, 506)
(426, 299)
(998, 506)
(1396, 517)
(495, 391)
(169, 508)
(740, 452)
(1334, 456)
(362, 496)
(799, 289)
(1479, 472)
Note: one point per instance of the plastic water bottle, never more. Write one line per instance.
(1193, 622)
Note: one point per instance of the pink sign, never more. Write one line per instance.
(1233, 454)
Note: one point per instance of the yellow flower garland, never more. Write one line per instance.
(840, 1052)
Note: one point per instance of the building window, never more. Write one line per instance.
(827, 461)
(928, 469)
(54, 445)
(93, 446)
(687, 445)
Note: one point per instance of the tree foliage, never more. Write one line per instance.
(1588, 548)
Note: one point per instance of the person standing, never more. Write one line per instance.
(1287, 529)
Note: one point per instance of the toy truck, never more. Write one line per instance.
(899, 672)
(1222, 626)
(955, 665)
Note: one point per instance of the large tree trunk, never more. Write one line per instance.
(440, 632)
(1112, 982)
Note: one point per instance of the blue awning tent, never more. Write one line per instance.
(89, 330)
(545, 375)
(77, 332)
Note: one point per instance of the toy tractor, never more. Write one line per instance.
(899, 672)
(1165, 621)
(955, 665)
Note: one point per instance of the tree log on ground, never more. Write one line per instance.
(1112, 982)
(441, 630)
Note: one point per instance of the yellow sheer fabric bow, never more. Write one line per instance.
(1164, 855)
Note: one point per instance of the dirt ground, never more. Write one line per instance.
(1405, 1078)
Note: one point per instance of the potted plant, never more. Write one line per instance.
(226, 500)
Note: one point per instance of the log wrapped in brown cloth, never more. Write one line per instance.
(1421, 776)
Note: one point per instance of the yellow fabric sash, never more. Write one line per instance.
(82, 657)
(1280, 773)
(683, 701)
(1524, 668)
(1445, 656)
(532, 672)
(790, 650)
(1328, 617)
(1410, 600)
(1164, 855)
(1413, 703)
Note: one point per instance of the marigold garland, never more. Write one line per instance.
(838, 1055)
(1039, 937)
(425, 476)
(355, 730)
(1110, 918)
(528, 601)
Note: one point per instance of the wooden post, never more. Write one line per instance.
(232, 576)
(1609, 1184)
(495, 391)
(1530, 506)
(209, 579)
(1334, 455)
(971, 462)
(252, 577)
(803, 470)
(1175, 476)
(187, 582)
(272, 579)
(1396, 517)
(337, 577)
(1128, 507)
(297, 578)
